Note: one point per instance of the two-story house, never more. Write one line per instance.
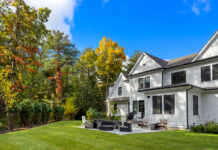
(184, 90)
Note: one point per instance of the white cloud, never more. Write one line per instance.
(61, 10)
(198, 6)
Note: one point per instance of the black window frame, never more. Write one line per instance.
(120, 91)
(215, 72)
(140, 85)
(169, 104)
(195, 105)
(203, 76)
(179, 77)
(142, 107)
(147, 84)
(157, 106)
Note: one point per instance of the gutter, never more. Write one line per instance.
(187, 101)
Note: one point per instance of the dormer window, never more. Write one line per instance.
(178, 77)
(147, 82)
(140, 83)
(119, 91)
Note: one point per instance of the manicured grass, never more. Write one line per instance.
(64, 136)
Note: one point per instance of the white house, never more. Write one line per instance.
(184, 90)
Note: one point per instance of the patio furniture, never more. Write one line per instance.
(130, 116)
(123, 119)
(106, 124)
(163, 124)
(86, 123)
(143, 122)
(126, 128)
(106, 127)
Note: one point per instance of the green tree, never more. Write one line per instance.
(63, 52)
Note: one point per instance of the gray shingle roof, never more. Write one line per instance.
(173, 62)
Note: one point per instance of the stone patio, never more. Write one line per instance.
(135, 130)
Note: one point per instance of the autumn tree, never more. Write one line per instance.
(63, 52)
(22, 28)
(109, 62)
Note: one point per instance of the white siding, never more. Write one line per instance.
(195, 119)
(193, 75)
(210, 107)
(174, 120)
(211, 50)
(122, 109)
(145, 64)
(125, 88)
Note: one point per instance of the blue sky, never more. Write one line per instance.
(165, 28)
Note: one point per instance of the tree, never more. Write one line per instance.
(132, 61)
(86, 81)
(22, 29)
(109, 63)
(63, 53)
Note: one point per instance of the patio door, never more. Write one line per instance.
(142, 107)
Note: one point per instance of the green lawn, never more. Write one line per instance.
(64, 136)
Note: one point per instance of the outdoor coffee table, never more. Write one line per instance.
(106, 127)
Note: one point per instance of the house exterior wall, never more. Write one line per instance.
(211, 50)
(210, 107)
(122, 109)
(193, 75)
(195, 119)
(125, 88)
(174, 120)
(145, 64)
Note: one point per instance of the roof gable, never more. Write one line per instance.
(209, 50)
(119, 79)
(147, 62)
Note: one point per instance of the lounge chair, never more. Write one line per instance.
(163, 124)
(126, 128)
(86, 123)
(143, 122)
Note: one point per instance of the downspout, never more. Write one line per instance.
(187, 101)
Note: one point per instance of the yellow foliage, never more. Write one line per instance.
(110, 59)
(6, 90)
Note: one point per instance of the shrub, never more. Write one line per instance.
(37, 113)
(70, 108)
(46, 111)
(210, 127)
(26, 112)
(58, 112)
(92, 113)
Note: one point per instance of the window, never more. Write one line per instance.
(195, 105)
(205, 73)
(135, 106)
(157, 104)
(169, 104)
(215, 72)
(147, 82)
(119, 91)
(140, 83)
(178, 77)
